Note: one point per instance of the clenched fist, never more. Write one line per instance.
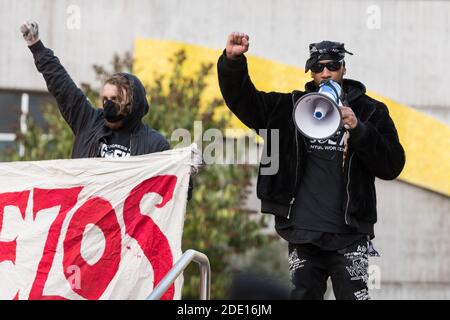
(237, 44)
(30, 32)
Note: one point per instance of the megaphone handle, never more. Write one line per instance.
(343, 97)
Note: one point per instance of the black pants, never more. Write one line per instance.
(310, 268)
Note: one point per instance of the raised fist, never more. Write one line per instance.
(237, 44)
(30, 32)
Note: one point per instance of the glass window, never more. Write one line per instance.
(10, 112)
(37, 102)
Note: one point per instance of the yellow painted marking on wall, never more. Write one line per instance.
(427, 146)
(152, 59)
(425, 139)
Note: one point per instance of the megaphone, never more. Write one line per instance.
(317, 115)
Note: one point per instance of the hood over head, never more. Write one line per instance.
(140, 106)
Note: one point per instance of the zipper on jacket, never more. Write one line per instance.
(296, 173)
(296, 164)
(290, 207)
(131, 136)
(348, 176)
(347, 188)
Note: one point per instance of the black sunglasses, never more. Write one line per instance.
(332, 66)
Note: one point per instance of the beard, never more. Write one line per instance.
(114, 125)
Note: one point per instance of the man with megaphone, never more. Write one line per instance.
(333, 141)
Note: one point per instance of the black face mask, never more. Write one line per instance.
(111, 111)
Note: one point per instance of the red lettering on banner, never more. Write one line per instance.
(93, 279)
(45, 199)
(8, 251)
(16, 199)
(142, 228)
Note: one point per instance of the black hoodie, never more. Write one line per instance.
(374, 147)
(87, 122)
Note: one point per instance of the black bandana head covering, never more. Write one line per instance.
(325, 50)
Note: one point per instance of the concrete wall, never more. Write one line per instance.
(402, 55)
(400, 46)
(413, 238)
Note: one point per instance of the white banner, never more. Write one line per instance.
(92, 228)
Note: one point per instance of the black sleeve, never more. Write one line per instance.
(190, 189)
(72, 102)
(251, 106)
(163, 145)
(377, 144)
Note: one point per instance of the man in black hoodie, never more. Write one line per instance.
(114, 130)
(323, 195)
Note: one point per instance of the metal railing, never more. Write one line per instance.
(187, 257)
